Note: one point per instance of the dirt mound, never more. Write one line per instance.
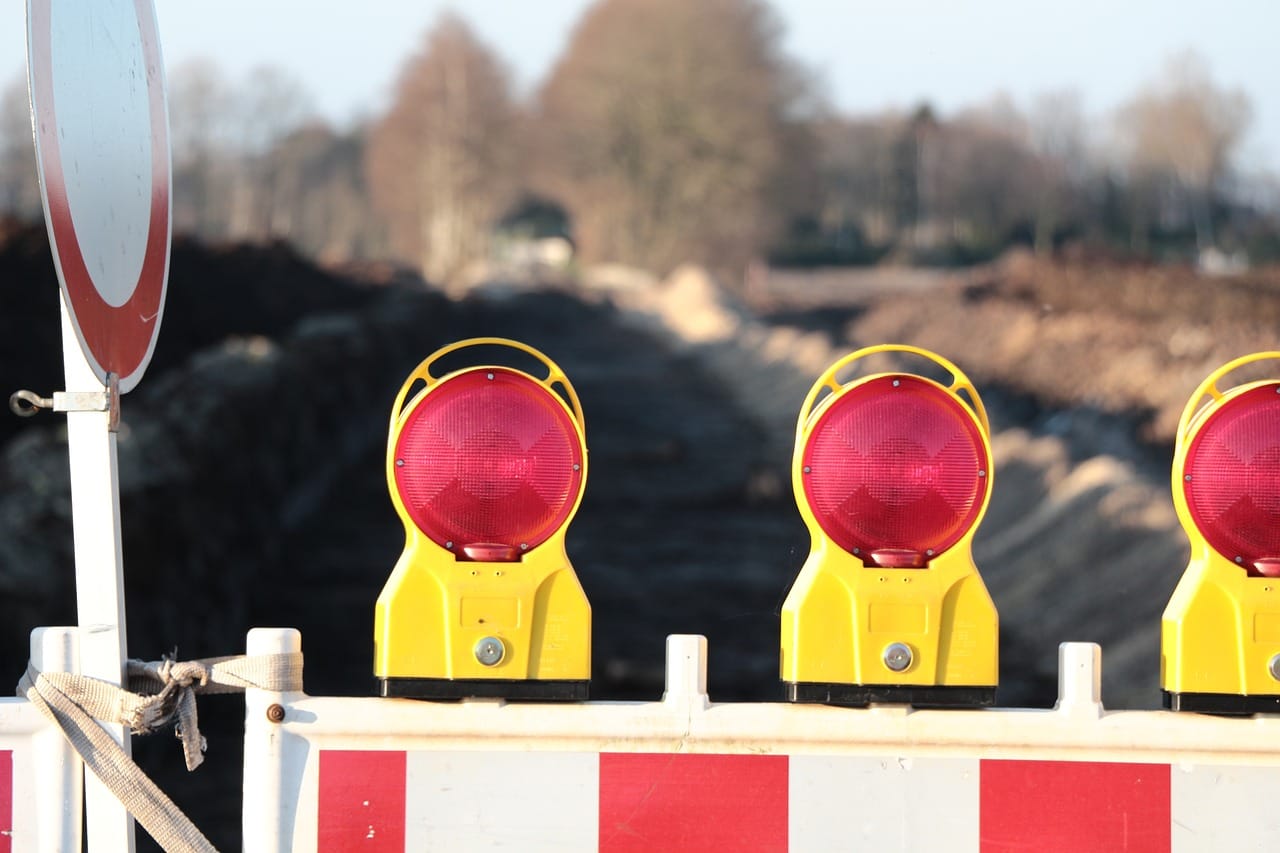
(252, 478)
(1080, 541)
(1126, 339)
(252, 472)
(214, 293)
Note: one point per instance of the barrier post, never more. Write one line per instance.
(59, 777)
(268, 815)
(686, 671)
(1080, 680)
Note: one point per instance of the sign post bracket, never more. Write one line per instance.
(25, 403)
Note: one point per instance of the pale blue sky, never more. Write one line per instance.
(870, 54)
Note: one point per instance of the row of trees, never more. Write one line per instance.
(1160, 178)
(672, 131)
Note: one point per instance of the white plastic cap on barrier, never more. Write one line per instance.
(686, 669)
(273, 641)
(1080, 679)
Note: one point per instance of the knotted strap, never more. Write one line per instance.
(165, 692)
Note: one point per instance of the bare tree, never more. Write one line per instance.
(947, 188)
(268, 106)
(440, 163)
(226, 168)
(854, 156)
(669, 127)
(19, 181)
(1187, 127)
(202, 130)
(934, 187)
(1056, 127)
(319, 199)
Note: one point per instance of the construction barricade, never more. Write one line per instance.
(683, 773)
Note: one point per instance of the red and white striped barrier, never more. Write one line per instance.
(392, 800)
(684, 774)
(41, 780)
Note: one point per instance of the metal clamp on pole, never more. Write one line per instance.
(25, 403)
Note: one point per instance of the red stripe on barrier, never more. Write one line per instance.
(6, 801)
(687, 802)
(361, 801)
(1074, 807)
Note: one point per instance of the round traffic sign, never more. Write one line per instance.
(102, 144)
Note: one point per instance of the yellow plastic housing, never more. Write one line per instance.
(435, 609)
(841, 615)
(1221, 628)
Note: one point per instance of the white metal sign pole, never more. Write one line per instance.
(95, 515)
(101, 123)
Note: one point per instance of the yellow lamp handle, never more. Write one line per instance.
(422, 373)
(828, 380)
(1209, 388)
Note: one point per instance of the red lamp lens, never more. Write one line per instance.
(895, 471)
(1231, 479)
(489, 464)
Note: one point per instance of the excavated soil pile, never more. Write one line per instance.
(1126, 339)
(253, 491)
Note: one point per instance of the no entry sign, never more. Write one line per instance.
(102, 143)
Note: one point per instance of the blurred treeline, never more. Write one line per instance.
(674, 131)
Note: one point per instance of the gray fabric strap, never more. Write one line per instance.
(166, 692)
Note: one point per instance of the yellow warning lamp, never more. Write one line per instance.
(486, 467)
(1220, 634)
(892, 473)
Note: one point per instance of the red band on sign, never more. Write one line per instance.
(1074, 807)
(683, 802)
(361, 802)
(116, 339)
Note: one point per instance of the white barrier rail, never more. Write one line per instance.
(328, 774)
(41, 779)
